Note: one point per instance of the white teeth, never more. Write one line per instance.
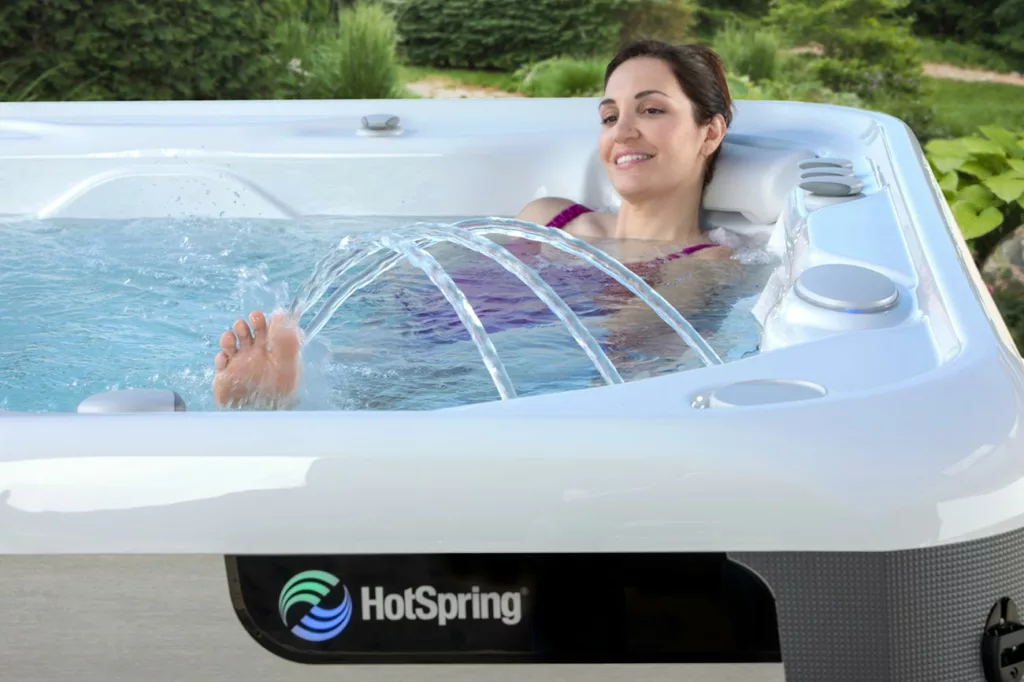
(631, 157)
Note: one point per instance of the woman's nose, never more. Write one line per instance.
(625, 129)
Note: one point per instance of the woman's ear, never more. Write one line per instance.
(713, 135)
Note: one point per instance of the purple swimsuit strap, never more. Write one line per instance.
(567, 215)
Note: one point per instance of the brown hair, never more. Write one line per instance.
(700, 74)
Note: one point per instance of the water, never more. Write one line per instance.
(90, 306)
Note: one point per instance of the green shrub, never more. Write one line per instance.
(866, 49)
(712, 17)
(869, 30)
(752, 51)
(130, 50)
(669, 20)
(505, 34)
(563, 77)
(982, 178)
(354, 58)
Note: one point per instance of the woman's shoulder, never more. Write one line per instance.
(582, 221)
(543, 210)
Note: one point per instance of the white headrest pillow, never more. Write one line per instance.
(753, 181)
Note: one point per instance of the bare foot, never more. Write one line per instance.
(258, 367)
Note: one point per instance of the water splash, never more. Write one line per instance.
(418, 256)
(382, 252)
(608, 265)
(503, 257)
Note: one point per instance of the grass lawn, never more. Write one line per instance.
(962, 54)
(963, 106)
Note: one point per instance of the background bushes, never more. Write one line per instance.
(351, 54)
(505, 34)
(994, 24)
(564, 77)
(130, 50)
(670, 20)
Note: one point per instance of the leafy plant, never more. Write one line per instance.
(753, 51)
(563, 77)
(982, 178)
(355, 60)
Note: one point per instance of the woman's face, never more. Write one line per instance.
(650, 144)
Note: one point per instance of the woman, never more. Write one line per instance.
(664, 114)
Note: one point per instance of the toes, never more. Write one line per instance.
(228, 344)
(259, 327)
(285, 337)
(243, 333)
(221, 361)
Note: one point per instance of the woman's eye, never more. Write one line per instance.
(654, 110)
(608, 119)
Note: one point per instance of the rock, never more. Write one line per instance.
(1006, 262)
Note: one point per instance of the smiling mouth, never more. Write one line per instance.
(631, 159)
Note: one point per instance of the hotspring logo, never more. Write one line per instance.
(318, 624)
(426, 603)
(423, 603)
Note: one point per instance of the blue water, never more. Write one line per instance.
(90, 306)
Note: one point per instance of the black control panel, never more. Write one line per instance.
(505, 608)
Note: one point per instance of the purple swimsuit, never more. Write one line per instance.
(570, 213)
(503, 302)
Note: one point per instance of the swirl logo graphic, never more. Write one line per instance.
(318, 624)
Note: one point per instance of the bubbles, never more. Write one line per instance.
(749, 249)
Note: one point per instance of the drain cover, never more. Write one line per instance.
(764, 392)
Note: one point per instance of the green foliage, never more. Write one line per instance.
(982, 178)
(563, 77)
(505, 34)
(752, 51)
(996, 25)
(314, 12)
(869, 30)
(669, 20)
(130, 50)
(867, 50)
(354, 57)
(714, 16)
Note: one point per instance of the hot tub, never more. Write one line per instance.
(839, 502)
